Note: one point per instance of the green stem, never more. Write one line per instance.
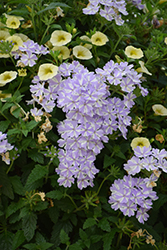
(10, 167)
(4, 116)
(71, 200)
(20, 83)
(116, 45)
(102, 184)
(33, 21)
(48, 26)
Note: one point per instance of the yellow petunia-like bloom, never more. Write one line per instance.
(165, 40)
(13, 22)
(60, 37)
(86, 38)
(82, 53)
(99, 39)
(4, 35)
(159, 110)
(16, 40)
(140, 141)
(4, 95)
(143, 69)
(7, 76)
(64, 51)
(47, 71)
(134, 53)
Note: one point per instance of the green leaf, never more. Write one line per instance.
(13, 131)
(18, 239)
(13, 207)
(4, 125)
(26, 142)
(36, 156)
(37, 173)
(29, 225)
(6, 106)
(120, 155)
(108, 161)
(30, 246)
(107, 239)
(89, 222)
(31, 125)
(6, 240)
(25, 132)
(64, 237)
(6, 187)
(158, 203)
(55, 194)
(75, 246)
(53, 6)
(82, 234)
(104, 225)
(16, 112)
(17, 185)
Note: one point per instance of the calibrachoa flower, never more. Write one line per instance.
(143, 69)
(82, 53)
(99, 39)
(64, 51)
(7, 76)
(86, 45)
(132, 195)
(133, 52)
(12, 22)
(47, 71)
(140, 141)
(159, 110)
(16, 40)
(60, 37)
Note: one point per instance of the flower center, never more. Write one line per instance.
(61, 38)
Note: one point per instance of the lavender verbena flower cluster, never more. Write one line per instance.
(5, 146)
(110, 9)
(90, 113)
(131, 195)
(146, 158)
(29, 51)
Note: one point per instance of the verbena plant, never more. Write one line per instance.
(83, 125)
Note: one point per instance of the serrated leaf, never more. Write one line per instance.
(75, 246)
(65, 225)
(55, 194)
(82, 234)
(53, 6)
(158, 203)
(89, 222)
(36, 156)
(30, 246)
(25, 132)
(64, 237)
(6, 240)
(53, 214)
(26, 142)
(6, 106)
(31, 125)
(4, 125)
(121, 155)
(107, 239)
(13, 207)
(13, 131)
(17, 185)
(104, 225)
(37, 173)
(29, 225)
(19, 238)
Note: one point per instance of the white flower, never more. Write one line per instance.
(134, 53)
(143, 69)
(140, 141)
(16, 40)
(99, 39)
(165, 40)
(60, 37)
(64, 51)
(81, 52)
(7, 76)
(86, 38)
(12, 22)
(3, 35)
(47, 71)
(159, 110)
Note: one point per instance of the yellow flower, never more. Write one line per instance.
(60, 37)
(86, 38)
(134, 53)
(22, 72)
(143, 69)
(140, 141)
(22, 36)
(159, 110)
(47, 71)
(3, 35)
(64, 51)
(99, 39)
(7, 76)
(3, 96)
(81, 52)
(165, 40)
(12, 22)
(16, 40)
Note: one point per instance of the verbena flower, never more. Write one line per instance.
(7, 76)
(133, 52)
(47, 71)
(159, 109)
(60, 37)
(99, 39)
(82, 53)
(5, 146)
(140, 141)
